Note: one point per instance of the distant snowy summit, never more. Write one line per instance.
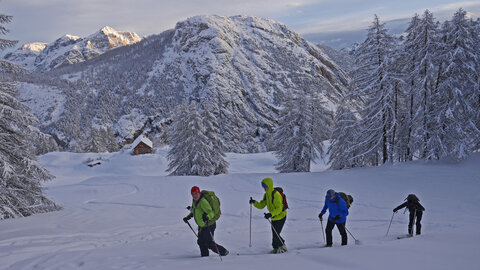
(25, 55)
(70, 49)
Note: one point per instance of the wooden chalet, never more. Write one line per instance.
(142, 145)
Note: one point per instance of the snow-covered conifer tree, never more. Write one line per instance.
(212, 132)
(344, 136)
(303, 125)
(376, 84)
(190, 150)
(21, 175)
(456, 86)
(421, 46)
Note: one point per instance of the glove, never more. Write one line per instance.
(252, 201)
(205, 217)
(336, 218)
(185, 219)
(189, 207)
(320, 216)
(395, 210)
(268, 215)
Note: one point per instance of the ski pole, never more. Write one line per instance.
(390, 224)
(357, 242)
(216, 246)
(323, 232)
(273, 228)
(192, 229)
(250, 245)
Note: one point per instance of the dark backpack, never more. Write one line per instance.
(347, 198)
(412, 198)
(284, 201)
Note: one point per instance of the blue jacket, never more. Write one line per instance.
(336, 207)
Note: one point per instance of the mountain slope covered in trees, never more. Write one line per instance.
(242, 66)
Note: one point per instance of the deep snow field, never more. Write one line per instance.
(127, 214)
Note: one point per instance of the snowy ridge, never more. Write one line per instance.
(243, 66)
(70, 49)
(26, 54)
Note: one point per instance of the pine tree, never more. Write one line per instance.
(21, 175)
(189, 152)
(376, 84)
(410, 47)
(212, 132)
(344, 136)
(422, 48)
(456, 86)
(303, 125)
(475, 97)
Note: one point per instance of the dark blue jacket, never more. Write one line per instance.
(336, 207)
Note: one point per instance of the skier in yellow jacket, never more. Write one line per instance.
(273, 200)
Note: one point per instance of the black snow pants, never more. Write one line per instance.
(341, 229)
(278, 226)
(418, 215)
(205, 241)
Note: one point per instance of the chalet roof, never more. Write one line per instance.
(143, 139)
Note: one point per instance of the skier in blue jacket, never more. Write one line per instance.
(338, 212)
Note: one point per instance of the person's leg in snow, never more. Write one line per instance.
(341, 229)
(278, 226)
(205, 241)
(418, 225)
(211, 245)
(328, 233)
(343, 233)
(410, 222)
(202, 241)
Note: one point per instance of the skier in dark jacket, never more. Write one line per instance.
(416, 211)
(338, 212)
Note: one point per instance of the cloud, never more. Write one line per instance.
(294, 5)
(46, 20)
(457, 5)
(361, 19)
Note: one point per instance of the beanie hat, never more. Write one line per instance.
(330, 193)
(195, 189)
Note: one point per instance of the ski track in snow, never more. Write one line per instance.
(132, 221)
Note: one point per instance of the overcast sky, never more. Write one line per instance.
(47, 20)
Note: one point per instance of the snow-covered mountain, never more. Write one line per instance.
(70, 49)
(243, 66)
(25, 55)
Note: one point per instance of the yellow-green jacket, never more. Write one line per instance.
(275, 207)
(197, 210)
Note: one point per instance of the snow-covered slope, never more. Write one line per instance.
(243, 66)
(70, 49)
(126, 214)
(342, 58)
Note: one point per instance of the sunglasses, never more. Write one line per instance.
(264, 185)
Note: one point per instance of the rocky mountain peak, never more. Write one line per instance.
(70, 49)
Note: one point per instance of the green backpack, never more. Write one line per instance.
(214, 202)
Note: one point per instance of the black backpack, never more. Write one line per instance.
(347, 198)
(412, 198)
(280, 190)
